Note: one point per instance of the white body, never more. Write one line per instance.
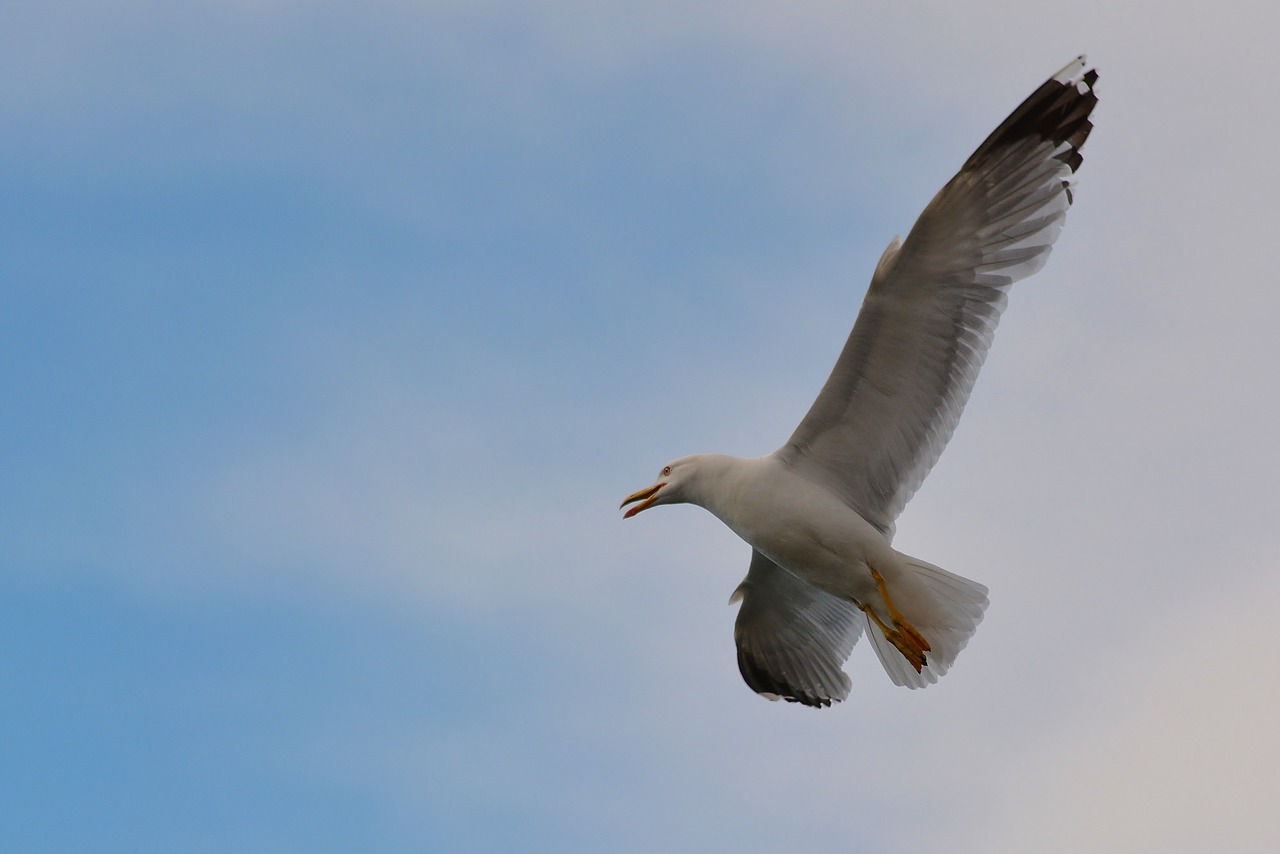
(798, 525)
(811, 534)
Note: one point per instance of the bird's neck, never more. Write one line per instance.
(721, 479)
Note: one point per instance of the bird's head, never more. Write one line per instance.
(669, 488)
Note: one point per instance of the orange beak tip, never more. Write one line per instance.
(645, 497)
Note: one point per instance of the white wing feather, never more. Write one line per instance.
(906, 371)
(793, 638)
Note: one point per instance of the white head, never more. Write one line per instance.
(675, 485)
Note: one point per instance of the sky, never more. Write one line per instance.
(331, 336)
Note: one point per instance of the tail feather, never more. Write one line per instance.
(944, 607)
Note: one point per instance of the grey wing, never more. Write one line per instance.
(906, 371)
(793, 638)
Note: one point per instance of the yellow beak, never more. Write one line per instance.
(645, 496)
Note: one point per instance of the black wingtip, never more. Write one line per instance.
(760, 680)
(1058, 111)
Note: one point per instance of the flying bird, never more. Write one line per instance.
(819, 512)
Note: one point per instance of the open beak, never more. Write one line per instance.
(645, 496)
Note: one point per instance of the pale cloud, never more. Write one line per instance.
(1171, 750)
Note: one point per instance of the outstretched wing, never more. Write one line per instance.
(906, 371)
(793, 638)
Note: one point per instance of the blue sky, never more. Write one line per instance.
(331, 336)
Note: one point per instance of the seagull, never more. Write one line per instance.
(819, 512)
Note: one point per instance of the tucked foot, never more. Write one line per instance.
(903, 635)
(910, 631)
(908, 641)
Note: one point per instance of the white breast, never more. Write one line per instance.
(801, 526)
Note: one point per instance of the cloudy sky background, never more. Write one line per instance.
(331, 335)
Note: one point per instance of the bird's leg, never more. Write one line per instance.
(902, 635)
(905, 645)
(899, 621)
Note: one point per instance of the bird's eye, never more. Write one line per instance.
(666, 471)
